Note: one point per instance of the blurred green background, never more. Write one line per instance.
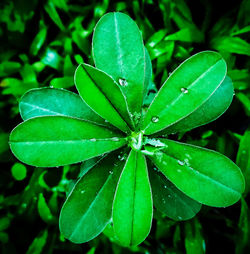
(41, 44)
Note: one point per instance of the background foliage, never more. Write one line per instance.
(42, 42)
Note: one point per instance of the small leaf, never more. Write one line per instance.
(171, 201)
(194, 241)
(243, 157)
(204, 175)
(189, 86)
(95, 86)
(19, 171)
(231, 45)
(88, 208)
(38, 41)
(119, 51)
(51, 101)
(38, 243)
(53, 14)
(43, 209)
(207, 112)
(52, 141)
(63, 82)
(133, 206)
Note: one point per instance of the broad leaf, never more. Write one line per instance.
(119, 51)
(51, 141)
(103, 95)
(207, 112)
(133, 206)
(204, 175)
(50, 101)
(171, 201)
(88, 208)
(189, 86)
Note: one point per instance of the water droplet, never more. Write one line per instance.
(169, 196)
(115, 139)
(82, 191)
(187, 162)
(123, 82)
(111, 172)
(155, 119)
(179, 170)
(184, 90)
(106, 121)
(165, 186)
(93, 139)
(179, 217)
(181, 162)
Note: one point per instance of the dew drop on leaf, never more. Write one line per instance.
(169, 196)
(179, 217)
(165, 186)
(155, 119)
(93, 139)
(184, 90)
(82, 191)
(123, 82)
(179, 170)
(181, 162)
(110, 172)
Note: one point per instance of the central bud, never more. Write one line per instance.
(135, 140)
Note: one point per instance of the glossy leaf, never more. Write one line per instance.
(204, 175)
(207, 112)
(95, 86)
(189, 86)
(133, 207)
(51, 141)
(170, 200)
(118, 50)
(53, 102)
(88, 208)
(148, 72)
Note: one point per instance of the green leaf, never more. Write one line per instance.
(52, 141)
(63, 82)
(243, 157)
(148, 72)
(43, 209)
(207, 112)
(189, 86)
(194, 241)
(133, 206)
(231, 45)
(38, 41)
(38, 243)
(88, 208)
(119, 51)
(204, 175)
(53, 102)
(53, 14)
(103, 95)
(171, 201)
(19, 171)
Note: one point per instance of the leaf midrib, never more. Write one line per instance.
(204, 176)
(90, 207)
(181, 95)
(105, 96)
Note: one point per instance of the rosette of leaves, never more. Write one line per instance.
(120, 187)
